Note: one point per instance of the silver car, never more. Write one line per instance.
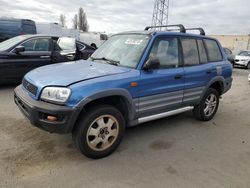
(243, 59)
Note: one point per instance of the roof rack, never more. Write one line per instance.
(181, 27)
(202, 32)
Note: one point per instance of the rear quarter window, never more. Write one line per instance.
(214, 53)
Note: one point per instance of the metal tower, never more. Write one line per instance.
(160, 14)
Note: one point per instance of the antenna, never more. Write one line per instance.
(160, 14)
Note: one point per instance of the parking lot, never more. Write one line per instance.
(173, 152)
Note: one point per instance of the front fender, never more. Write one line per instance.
(109, 93)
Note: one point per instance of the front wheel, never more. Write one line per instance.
(99, 131)
(208, 106)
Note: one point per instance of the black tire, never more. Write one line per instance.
(248, 66)
(82, 137)
(198, 110)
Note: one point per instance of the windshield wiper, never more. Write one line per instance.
(110, 61)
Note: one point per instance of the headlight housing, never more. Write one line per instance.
(57, 95)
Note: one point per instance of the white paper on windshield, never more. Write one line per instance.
(133, 41)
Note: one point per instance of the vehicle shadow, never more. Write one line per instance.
(8, 86)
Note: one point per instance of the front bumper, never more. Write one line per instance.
(241, 63)
(37, 112)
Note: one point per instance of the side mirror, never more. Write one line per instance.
(151, 64)
(19, 49)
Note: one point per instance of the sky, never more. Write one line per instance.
(112, 16)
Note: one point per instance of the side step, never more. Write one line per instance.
(165, 114)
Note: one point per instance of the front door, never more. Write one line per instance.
(15, 65)
(161, 90)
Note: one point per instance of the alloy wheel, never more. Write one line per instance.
(210, 105)
(102, 132)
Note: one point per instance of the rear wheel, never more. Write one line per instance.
(208, 106)
(99, 131)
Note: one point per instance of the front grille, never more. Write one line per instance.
(29, 86)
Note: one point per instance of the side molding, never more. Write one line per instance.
(165, 114)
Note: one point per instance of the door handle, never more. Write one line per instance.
(44, 56)
(178, 76)
(70, 55)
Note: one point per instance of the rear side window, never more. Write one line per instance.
(202, 51)
(214, 53)
(190, 52)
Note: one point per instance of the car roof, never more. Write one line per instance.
(166, 33)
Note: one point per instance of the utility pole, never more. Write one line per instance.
(160, 14)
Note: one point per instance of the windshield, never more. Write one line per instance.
(126, 49)
(11, 42)
(244, 53)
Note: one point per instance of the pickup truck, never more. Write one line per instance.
(134, 77)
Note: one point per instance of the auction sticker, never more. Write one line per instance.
(133, 41)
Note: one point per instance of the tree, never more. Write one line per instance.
(75, 22)
(62, 20)
(82, 20)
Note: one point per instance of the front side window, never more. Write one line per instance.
(166, 51)
(190, 52)
(213, 49)
(126, 49)
(40, 44)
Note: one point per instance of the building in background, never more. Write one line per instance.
(236, 43)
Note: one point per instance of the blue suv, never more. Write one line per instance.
(134, 77)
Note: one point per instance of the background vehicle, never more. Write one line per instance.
(93, 38)
(10, 27)
(23, 53)
(243, 59)
(134, 77)
(229, 55)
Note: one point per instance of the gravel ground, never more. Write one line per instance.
(178, 151)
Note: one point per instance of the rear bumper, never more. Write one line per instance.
(37, 111)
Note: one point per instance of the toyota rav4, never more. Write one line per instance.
(134, 77)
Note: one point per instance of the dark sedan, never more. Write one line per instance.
(21, 54)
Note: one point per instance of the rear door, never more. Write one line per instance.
(64, 49)
(161, 90)
(196, 69)
(84, 50)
